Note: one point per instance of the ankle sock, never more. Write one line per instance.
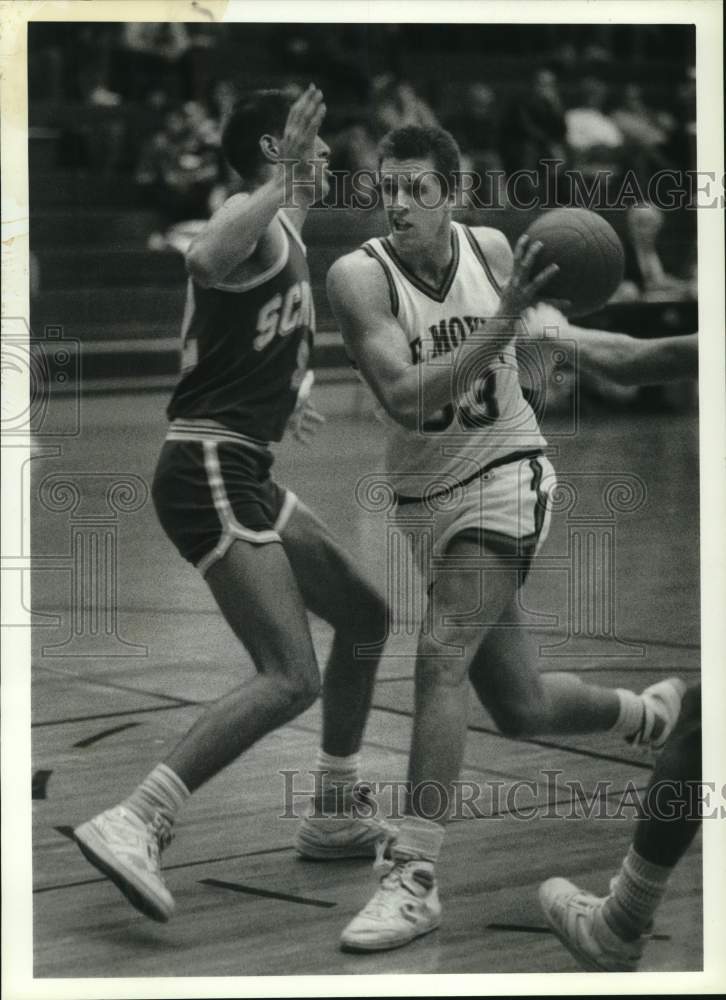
(162, 791)
(418, 838)
(635, 895)
(630, 716)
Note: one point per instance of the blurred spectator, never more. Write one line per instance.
(224, 97)
(331, 55)
(644, 225)
(475, 125)
(595, 141)
(646, 133)
(682, 142)
(533, 129)
(179, 167)
(396, 103)
(155, 62)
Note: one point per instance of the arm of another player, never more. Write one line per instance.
(626, 360)
(233, 232)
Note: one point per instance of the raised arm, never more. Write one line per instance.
(233, 232)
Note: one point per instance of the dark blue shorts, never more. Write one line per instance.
(211, 487)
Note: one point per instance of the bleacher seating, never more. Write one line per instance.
(123, 302)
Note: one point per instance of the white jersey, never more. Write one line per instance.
(491, 419)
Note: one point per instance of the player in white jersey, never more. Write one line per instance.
(429, 316)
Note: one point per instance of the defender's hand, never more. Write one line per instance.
(303, 122)
(305, 423)
(305, 420)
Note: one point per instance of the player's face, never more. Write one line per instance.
(415, 204)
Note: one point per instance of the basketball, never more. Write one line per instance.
(589, 254)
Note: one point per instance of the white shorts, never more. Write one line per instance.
(508, 504)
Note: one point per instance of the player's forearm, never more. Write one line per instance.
(631, 361)
(232, 234)
(421, 391)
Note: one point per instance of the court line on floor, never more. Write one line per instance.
(533, 929)
(266, 893)
(666, 671)
(106, 715)
(666, 643)
(66, 831)
(40, 785)
(404, 753)
(114, 685)
(533, 742)
(184, 703)
(104, 734)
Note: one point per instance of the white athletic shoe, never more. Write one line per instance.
(661, 701)
(576, 918)
(348, 835)
(127, 850)
(405, 906)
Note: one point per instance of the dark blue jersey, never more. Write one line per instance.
(246, 347)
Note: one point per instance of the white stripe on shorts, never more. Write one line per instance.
(231, 528)
(288, 506)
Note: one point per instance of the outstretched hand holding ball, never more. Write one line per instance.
(588, 254)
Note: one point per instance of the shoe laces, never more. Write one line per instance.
(382, 863)
(363, 796)
(386, 898)
(161, 835)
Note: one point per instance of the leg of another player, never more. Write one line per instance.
(523, 700)
(334, 589)
(609, 934)
(666, 829)
(256, 591)
(257, 594)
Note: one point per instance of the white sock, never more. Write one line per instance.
(161, 791)
(635, 896)
(630, 717)
(342, 773)
(418, 839)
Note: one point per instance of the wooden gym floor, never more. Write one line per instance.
(245, 904)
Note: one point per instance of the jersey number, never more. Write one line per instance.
(480, 410)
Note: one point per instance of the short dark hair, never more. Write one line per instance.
(252, 116)
(424, 141)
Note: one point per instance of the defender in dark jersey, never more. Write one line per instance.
(247, 334)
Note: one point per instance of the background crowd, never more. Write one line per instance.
(599, 99)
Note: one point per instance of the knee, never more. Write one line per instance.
(298, 693)
(440, 664)
(515, 719)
